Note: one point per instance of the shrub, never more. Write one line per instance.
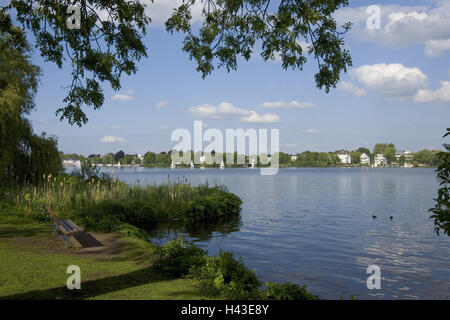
(177, 257)
(441, 210)
(128, 230)
(286, 291)
(227, 277)
(213, 206)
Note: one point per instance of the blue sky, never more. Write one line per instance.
(397, 91)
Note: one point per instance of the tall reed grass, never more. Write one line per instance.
(105, 204)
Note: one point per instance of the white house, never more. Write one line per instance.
(364, 159)
(345, 157)
(293, 158)
(379, 160)
(141, 158)
(408, 157)
(202, 159)
(71, 163)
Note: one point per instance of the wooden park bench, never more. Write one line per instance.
(66, 227)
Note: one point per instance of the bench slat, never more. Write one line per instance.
(66, 225)
(74, 225)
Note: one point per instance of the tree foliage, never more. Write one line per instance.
(110, 40)
(289, 29)
(355, 156)
(364, 150)
(119, 155)
(24, 156)
(316, 159)
(107, 45)
(441, 211)
(386, 149)
(427, 157)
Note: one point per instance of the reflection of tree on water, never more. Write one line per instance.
(196, 231)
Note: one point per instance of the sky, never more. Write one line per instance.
(398, 90)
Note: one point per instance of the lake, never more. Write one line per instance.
(314, 227)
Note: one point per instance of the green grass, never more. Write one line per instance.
(34, 263)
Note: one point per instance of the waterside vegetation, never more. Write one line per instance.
(101, 204)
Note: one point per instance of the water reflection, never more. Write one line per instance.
(199, 231)
(314, 226)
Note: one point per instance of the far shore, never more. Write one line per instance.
(248, 167)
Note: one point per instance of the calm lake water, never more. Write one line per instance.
(314, 226)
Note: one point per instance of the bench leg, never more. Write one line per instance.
(67, 240)
(55, 231)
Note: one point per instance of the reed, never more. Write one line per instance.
(105, 204)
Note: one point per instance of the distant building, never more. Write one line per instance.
(202, 159)
(408, 158)
(364, 159)
(344, 156)
(71, 162)
(293, 158)
(379, 160)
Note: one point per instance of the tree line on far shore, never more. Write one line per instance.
(303, 159)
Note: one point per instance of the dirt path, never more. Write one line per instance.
(42, 238)
(92, 243)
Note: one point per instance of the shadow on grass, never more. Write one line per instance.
(23, 231)
(86, 240)
(93, 288)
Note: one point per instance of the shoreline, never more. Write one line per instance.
(245, 167)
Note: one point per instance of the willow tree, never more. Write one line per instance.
(24, 156)
(109, 41)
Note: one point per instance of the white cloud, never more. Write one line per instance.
(161, 104)
(254, 117)
(312, 131)
(436, 48)
(162, 127)
(115, 126)
(391, 80)
(401, 26)
(160, 10)
(126, 96)
(305, 46)
(224, 110)
(442, 94)
(293, 105)
(350, 87)
(112, 139)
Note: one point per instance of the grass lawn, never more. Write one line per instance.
(33, 265)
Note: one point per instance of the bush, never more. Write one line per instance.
(227, 277)
(441, 210)
(286, 291)
(177, 257)
(213, 206)
(128, 230)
